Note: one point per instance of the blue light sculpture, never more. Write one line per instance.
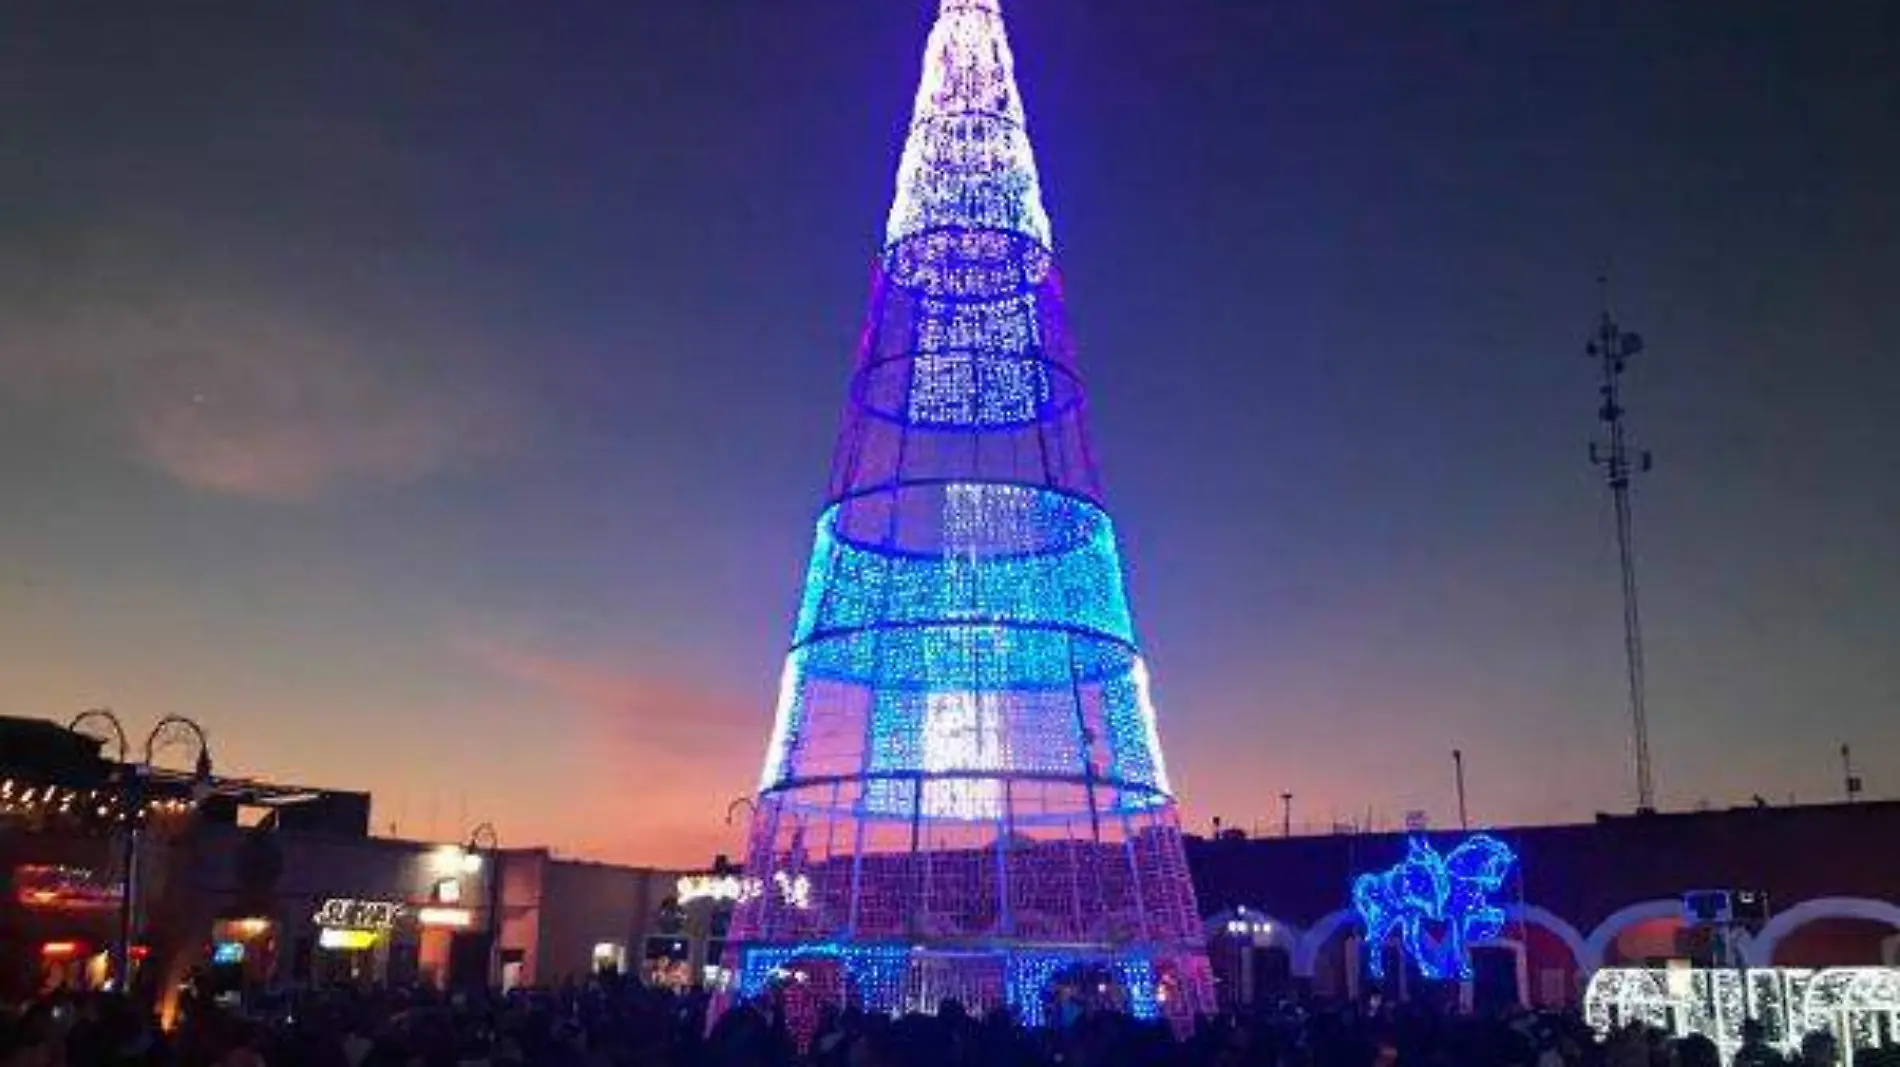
(1439, 905)
(965, 766)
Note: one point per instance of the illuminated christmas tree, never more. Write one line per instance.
(964, 794)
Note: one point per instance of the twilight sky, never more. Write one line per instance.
(434, 399)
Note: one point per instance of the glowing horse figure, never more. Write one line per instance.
(1451, 892)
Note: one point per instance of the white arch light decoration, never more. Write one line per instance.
(1306, 952)
(1761, 949)
(1261, 925)
(1598, 943)
(1554, 924)
(1858, 1006)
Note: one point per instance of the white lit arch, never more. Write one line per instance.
(1556, 925)
(1761, 950)
(1276, 934)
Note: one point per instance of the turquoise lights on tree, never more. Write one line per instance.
(1069, 574)
(1438, 905)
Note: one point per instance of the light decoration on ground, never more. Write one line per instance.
(964, 787)
(1859, 1007)
(1438, 905)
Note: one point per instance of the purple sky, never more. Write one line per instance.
(435, 399)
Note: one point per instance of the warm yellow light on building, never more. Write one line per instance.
(456, 917)
(346, 940)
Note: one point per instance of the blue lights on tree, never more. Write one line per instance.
(1439, 905)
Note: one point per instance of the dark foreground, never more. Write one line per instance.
(625, 1025)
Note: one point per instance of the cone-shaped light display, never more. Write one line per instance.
(964, 794)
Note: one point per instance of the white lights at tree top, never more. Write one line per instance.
(968, 163)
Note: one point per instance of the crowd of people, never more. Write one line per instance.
(624, 1024)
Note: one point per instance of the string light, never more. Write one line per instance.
(967, 164)
(29, 800)
(1074, 580)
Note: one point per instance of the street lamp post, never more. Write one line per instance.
(740, 802)
(132, 784)
(483, 842)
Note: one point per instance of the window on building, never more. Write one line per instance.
(672, 917)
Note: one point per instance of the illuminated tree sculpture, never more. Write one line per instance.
(964, 794)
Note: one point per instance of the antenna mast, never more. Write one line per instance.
(1612, 347)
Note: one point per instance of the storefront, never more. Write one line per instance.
(61, 923)
(363, 941)
(293, 910)
(690, 934)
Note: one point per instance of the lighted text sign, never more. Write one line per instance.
(793, 889)
(63, 888)
(693, 887)
(342, 913)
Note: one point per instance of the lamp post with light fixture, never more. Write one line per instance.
(483, 844)
(169, 730)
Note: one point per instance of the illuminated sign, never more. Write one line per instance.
(693, 887)
(456, 917)
(61, 888)
(228, 952)
(342, 913)
(346, 940)
(60, 950)
(794, 890)
(1859, 1007)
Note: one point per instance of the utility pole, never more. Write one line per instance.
(1848, 777)
(1286, 814)
(1612, 347)
(1458, 768)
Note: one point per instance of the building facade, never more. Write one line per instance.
(566, 920)
(271, 886)
(1821, 885)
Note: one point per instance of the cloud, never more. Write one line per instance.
(656, 758)
(232, 387)
(630, 713)
(277, 409)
